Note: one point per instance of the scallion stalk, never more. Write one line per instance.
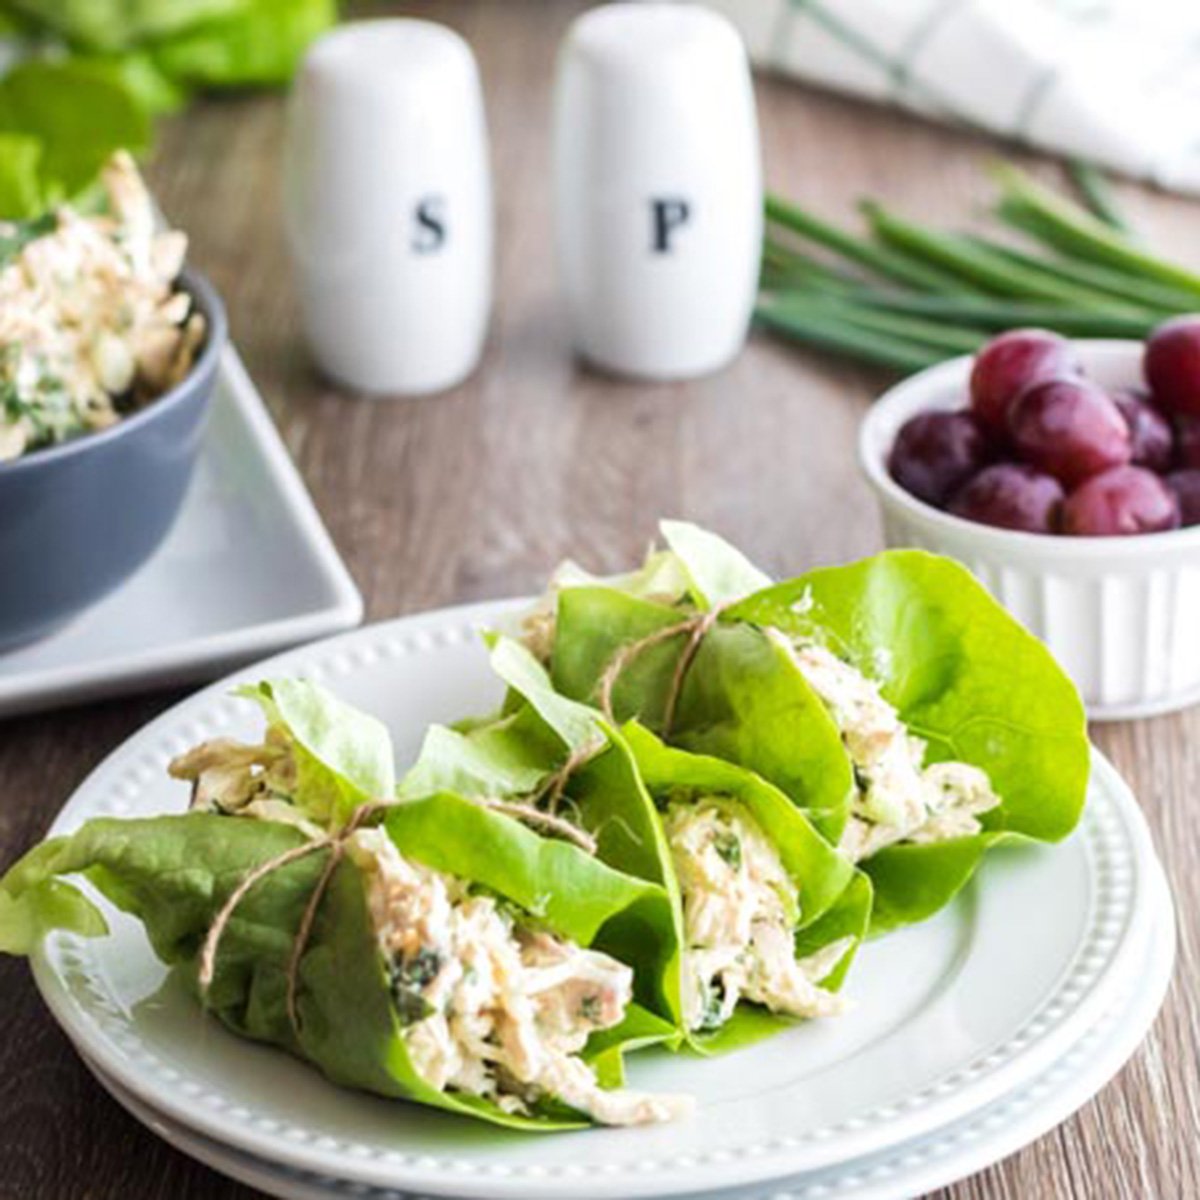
(1075, 230)
(829, 333)
(1093, 187)
(876, 258)
(980, 265)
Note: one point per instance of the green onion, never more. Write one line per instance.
(977, 263)
(1147, 295)
(1093, 187)
(876, 258)
(1077, 231)
(937, 334)
(790, 267)
(1002, 314)
(829, 333)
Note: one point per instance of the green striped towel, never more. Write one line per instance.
(1116, 82)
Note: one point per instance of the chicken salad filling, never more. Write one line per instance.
(491, 1007)
(740, 910)
(898, 798)
(245, 778)
(92, 326)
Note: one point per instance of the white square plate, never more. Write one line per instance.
(247, 569)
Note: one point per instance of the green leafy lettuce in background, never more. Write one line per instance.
(90, 76)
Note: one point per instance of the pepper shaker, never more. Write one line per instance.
(658, 184)
(388, 207)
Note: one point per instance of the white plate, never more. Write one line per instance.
(948, 1017)
(247, 569)
(913, 1169)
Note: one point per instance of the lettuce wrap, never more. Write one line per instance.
(435, 950)
(898, 678)
(644, 803)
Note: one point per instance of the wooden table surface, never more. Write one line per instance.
(478, 493)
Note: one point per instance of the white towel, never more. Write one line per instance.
(1113, 81)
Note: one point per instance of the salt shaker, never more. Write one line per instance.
(388, 207)
(658, 185)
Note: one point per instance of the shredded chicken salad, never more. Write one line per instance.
(244, 778)
(92, 326)
(898, 797)
(492, 1008)
(740, 911)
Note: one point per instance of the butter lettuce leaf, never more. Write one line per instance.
(966, 677)
(717, 572)
(255, 43)
(343, 756)
(835, 899)
(174, 873)
(118, 24)
(69, 117)
(743, 697)
(516, 754)
(963, 674)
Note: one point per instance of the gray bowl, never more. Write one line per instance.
(76, 520)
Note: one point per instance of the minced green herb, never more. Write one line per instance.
(408, 978)
(712, 1018)
(729, 847)
(589, 1008)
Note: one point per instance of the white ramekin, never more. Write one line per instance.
(1122, 614)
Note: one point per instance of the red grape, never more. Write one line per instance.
(1009, 364)
(1172, 364)
(1070, 429)
(1012, 496)
(935, 452)
(1123, 500)
(1187, 441)
(1186, 486)
(1149, 431)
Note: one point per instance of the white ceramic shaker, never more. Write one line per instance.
(388, 205)
(658, 184)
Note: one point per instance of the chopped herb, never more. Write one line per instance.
(408, 978)
(590, 1008)
(713, 1017)
(16, 235)
(729, 848)
(411, 1006)
(421, 969)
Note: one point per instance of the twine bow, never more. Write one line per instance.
(335, 843)
(696, 628)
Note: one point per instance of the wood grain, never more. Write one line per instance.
(478, 493)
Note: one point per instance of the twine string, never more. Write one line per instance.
(696, 628)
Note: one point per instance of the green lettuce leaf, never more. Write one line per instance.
(111, 25)
(343, 756)
(257, 43)
(612, 795)
(967, 678)
(175, 872)
(743, 698)
(835, 899)
(964, 675)
(78, 113)
(22, 195)
(515, 754)
(717, 572)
